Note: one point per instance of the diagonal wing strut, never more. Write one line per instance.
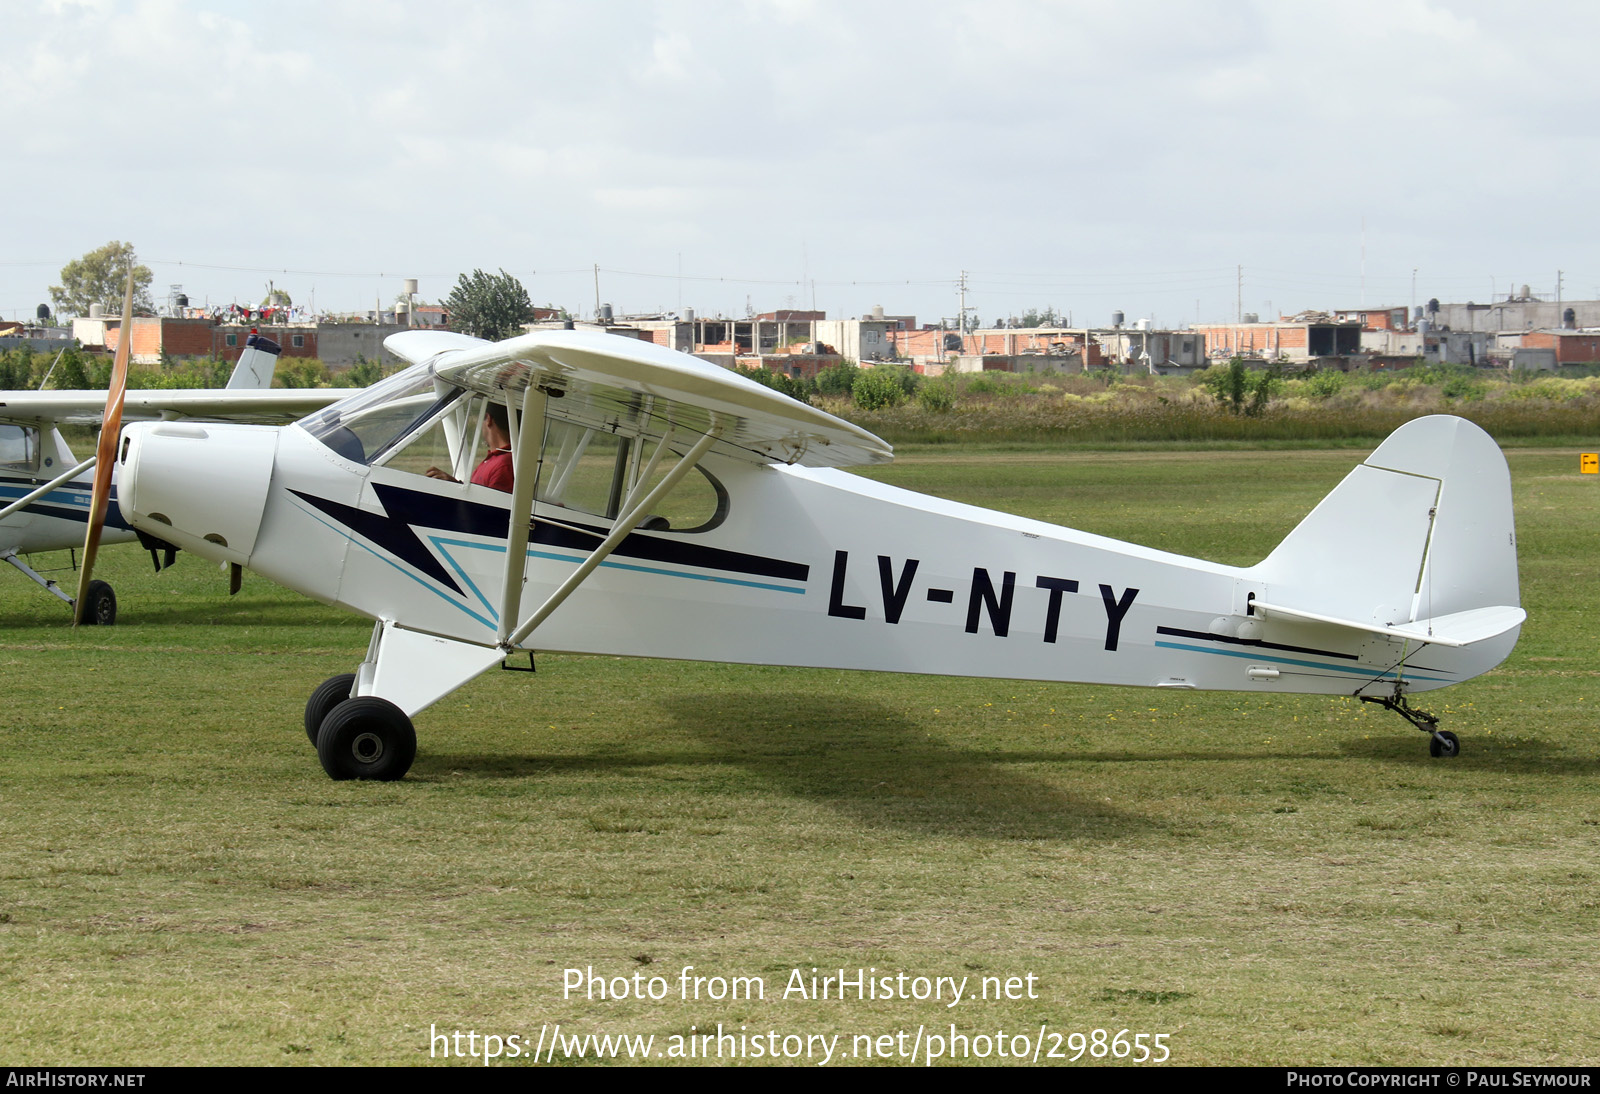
(636, 511)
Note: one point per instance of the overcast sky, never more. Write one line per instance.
(1088, 156)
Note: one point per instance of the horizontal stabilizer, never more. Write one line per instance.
(1455, 629)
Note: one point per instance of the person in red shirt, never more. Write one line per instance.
(495, 471)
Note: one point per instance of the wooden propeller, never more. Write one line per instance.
(106, 454)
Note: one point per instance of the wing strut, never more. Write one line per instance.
(527, 459)
(625, 524)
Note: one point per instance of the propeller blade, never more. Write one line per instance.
(110, 430)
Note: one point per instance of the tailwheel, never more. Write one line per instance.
(367, 738)
(329, 694)
(1441, 742)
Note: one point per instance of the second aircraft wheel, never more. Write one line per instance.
(1444, 743)
(329, 694)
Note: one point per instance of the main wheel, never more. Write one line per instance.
(329, 694)
(102, 605)
(366, 738)
(1444, 743)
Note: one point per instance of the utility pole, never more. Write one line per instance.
(961, 317)
(1363, 262)
(597, 292)
(1238, 294)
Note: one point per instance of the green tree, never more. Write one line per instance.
(877, 389)
(489, 306)
(1232, 384)
(363, 373)
(939, 396)
(70, 373)
(792, 386)
(99, 277)
(837, 379)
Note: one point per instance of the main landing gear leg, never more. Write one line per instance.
(360, 722)
(1441, 742)
(100, 595)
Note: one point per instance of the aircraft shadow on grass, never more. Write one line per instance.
(873, 763)
(861, 758)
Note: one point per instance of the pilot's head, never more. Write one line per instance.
(497, 429)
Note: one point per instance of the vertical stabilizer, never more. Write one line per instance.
(1422, 529)
(256, 364)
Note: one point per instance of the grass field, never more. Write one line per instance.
(1263, 879)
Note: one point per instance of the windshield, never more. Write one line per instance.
(363, 427)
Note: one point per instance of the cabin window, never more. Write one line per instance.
(428, 446)
(19, 448)
(367, 427)
(593, 471)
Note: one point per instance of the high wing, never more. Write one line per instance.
(213, 404)
(605, 382)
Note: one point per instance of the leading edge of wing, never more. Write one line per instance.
(253, 405)
(774, 426)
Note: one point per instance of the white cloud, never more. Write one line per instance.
(761, 139)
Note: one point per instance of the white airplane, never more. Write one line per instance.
(45, 490)
(665, 507)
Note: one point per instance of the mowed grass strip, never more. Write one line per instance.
(1267, 879)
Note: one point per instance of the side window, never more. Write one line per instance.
(698, 503)
(429, 445)
(585, 472)
(584, 469)
(593, 471)
(19, 448)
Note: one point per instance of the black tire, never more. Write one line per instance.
(1445, 744)
(329, 694)
(102, 606)
(367, 738)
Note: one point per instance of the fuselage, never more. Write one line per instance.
(811, 567)
(55, 521)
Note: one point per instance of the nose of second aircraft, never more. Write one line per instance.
(199, 487)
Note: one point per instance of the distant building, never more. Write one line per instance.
(1523, 312)
(1301, 340)
(1374, 318)
(1564, 347)
(1159, 352)
(335, 344)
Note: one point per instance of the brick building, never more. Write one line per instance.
(1572, 347)
(1300, 341)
